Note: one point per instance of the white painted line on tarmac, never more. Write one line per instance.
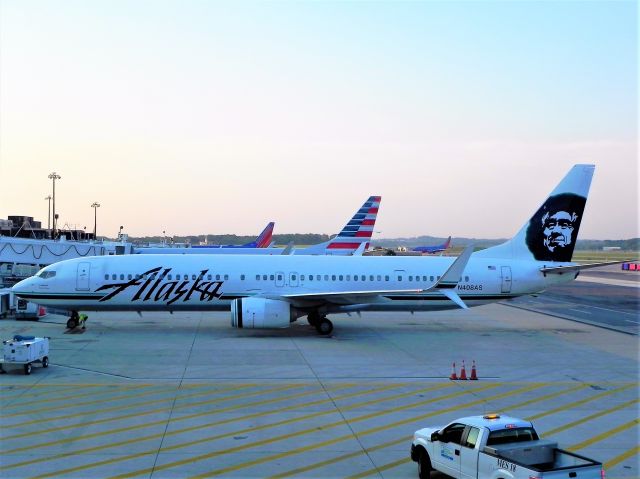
(613, 282)
(593, 307)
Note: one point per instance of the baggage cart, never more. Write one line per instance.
(25, 351)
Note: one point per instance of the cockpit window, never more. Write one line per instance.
(46, 274)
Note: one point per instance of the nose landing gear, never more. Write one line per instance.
(74, 320)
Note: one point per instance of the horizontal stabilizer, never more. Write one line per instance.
(360, 250)
(574, 268)
(453, 296)
(288, 249)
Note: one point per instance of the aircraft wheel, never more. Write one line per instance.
(72, 322)
(27, 369)
(324, 327)
(313, 319)
(45, 362)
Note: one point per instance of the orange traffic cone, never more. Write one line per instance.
(473, 377)
(454, 376)
(463, 373)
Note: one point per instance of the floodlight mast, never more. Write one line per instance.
(95, 207)
(54, 176)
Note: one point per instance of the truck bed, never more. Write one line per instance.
(541, 456)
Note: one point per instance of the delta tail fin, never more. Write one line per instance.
(552, 231)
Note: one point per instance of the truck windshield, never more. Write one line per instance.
(506, 436)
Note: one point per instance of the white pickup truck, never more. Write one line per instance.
(496, 447)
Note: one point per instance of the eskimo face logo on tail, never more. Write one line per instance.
(151, 286)
(552, 232)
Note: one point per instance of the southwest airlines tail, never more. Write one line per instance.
(434, 249)
(551, 233)
(264, 239)
(356, 232)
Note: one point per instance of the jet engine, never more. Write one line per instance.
(260, 313)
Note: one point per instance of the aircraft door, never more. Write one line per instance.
(82, 278)
(279, 279)
(294, 279)
(506, 279)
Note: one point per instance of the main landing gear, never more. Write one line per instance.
(321, 323)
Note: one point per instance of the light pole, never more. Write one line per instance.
(95, 207)
(49, 215)
(54, 176)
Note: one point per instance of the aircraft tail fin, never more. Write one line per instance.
(551, 233)
(264, 239)
(357, 231)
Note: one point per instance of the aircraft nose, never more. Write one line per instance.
(24, 286)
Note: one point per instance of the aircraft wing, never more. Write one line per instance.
(445, 285)
(575, 268)
(345, 297)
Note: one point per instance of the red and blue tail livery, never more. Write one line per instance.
(262, 241)
(356, 233)
(434, 249)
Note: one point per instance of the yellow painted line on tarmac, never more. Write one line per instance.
(342, 457)
(604, 435)
(634, 451)
(395, 442)
(64, 385)
(110, 388)
(289, 435)
(84, 437)
(572, 405)
(385, 467)
(125, 416)
(69, 394)
(74, 405)
(135, 440)
(590, 417)
(548, 396)
(345, 437)
(220, 436)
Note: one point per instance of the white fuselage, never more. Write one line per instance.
(211, 282)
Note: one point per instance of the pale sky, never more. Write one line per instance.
(199, 117)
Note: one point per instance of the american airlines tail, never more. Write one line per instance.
(356, 232)
(551, 233)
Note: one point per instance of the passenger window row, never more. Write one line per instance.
(169, 277)
(270, 277)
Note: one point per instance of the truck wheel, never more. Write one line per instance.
(424, 465)
(27, 369)
(45, 362)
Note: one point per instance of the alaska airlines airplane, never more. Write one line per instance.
(433, 249)
(353, 239)
(273, 291)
